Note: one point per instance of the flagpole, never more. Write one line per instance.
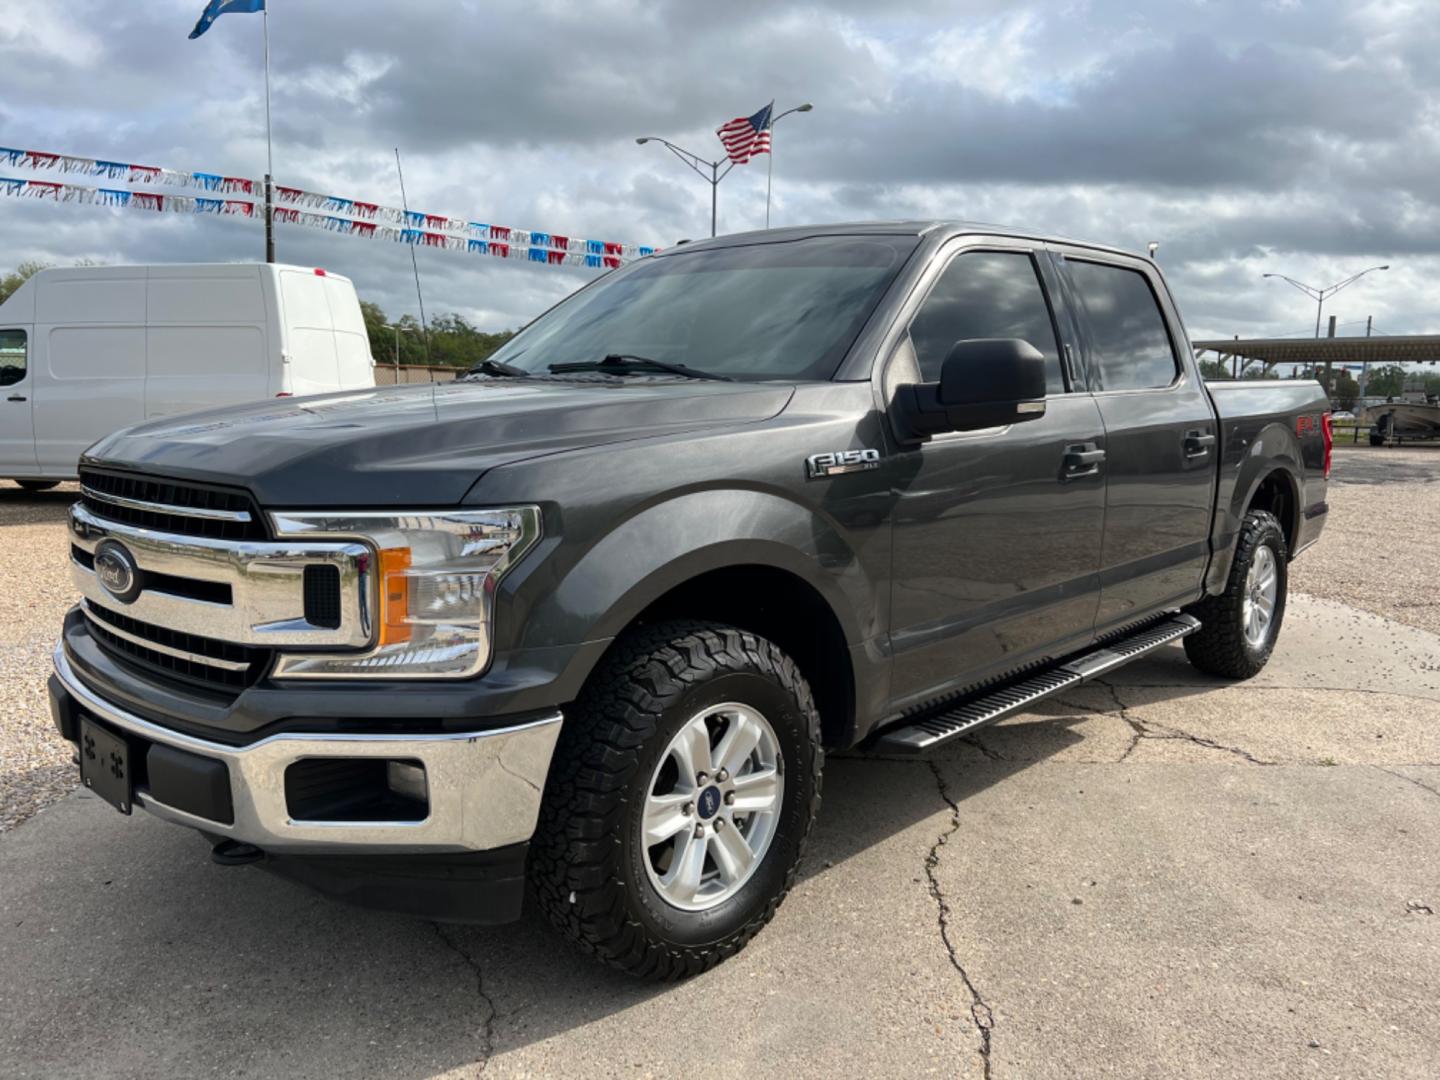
(769, 162)
(269, 150)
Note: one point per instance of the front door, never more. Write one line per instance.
(17, 428)
(996, 532)
(1160, 435)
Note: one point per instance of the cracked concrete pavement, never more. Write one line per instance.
(1162, 875)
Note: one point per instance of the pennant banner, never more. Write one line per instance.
(516, 245)
(436, 230)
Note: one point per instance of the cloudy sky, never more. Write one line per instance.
(1244, 135)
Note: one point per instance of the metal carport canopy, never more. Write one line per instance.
(1414, 348)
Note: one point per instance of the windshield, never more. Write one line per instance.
(787, 311)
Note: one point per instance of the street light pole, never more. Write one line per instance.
(1320, 295)
(397, 328)
(695, 162)
(770, 159)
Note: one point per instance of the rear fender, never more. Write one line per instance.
(1247, 463)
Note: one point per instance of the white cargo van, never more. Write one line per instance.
(87, 351)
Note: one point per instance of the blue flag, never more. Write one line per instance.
(215, 8)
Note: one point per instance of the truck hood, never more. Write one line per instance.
(419, 445)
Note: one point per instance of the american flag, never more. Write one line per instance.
(746, 136)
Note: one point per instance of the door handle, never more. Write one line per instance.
(1198, 443)
(1082, 459)
(17, 397)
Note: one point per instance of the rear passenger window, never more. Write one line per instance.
(986, 294)
(1130, 348)
(12, 357)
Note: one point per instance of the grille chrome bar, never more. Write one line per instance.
(240, 516)
(155, 646)
(267, 607)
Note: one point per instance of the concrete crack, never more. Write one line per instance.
(971, 740)
(980, 1012)
(487, 1034)
(1410, 779)
(1141, 729)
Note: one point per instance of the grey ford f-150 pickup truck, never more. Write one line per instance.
(591, 615)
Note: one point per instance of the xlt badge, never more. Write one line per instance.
(838, 462)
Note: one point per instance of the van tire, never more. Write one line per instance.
(1220, 646)
(589, 867)
(37, 485)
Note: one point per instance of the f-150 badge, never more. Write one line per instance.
(839, 462)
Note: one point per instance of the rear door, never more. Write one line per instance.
(309, 333)
(17, 429)
(1160, 435)
(996, 532)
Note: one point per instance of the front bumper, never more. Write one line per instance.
(484, 787)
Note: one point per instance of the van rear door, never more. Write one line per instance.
(354, 367)
(309, 333)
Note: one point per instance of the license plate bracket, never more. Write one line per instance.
(105, 765)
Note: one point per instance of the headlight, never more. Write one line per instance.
(431, 596)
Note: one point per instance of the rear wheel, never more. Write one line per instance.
(38, 485)
(1238, 627)
(684, 786)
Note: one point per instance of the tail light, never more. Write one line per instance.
(1329, 435)
(284, 393)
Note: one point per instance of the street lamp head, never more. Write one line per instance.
(1269, 275)
(804, 108)
(1385, 267)
(643, 140)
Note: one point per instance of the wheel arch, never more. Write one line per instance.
(753, 559)
(1266, 477)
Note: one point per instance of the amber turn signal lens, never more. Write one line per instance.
(394, 595)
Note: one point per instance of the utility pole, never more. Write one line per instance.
(269, 152)
(1327, 359)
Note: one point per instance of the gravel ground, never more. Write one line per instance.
(1378, 554)
(35, 767)
(1380, 551)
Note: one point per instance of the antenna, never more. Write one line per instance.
(424, 327)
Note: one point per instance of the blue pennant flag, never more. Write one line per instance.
(215, 8)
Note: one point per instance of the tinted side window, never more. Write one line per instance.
(1130, 348)
(12, 357)
(986, 294)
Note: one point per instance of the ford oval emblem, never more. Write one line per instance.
(116, 569)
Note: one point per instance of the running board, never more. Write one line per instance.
(927, 732)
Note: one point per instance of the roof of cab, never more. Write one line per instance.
(932, 227)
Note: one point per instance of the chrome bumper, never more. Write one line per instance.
(484, 786)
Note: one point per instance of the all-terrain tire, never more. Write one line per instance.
(37, 485)
(1220, 646)
(586, 867)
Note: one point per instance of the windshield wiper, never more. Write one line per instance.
(623, 363)
(498, 368)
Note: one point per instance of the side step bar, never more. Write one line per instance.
(926, 732)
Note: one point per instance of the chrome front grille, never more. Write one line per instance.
(186, 658)
(171, 506)
(251, 594)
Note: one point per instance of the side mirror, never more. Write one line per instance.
(984, 383)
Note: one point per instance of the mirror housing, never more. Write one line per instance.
(984, 383)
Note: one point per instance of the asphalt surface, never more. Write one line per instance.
(1158, 876)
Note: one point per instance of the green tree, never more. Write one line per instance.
(1346, 391)
(1214, 369)
(21, 274)
(453, 341)
(1387, 380)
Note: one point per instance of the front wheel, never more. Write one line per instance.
(1238, 628)
(37, 485)
(684, 785)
